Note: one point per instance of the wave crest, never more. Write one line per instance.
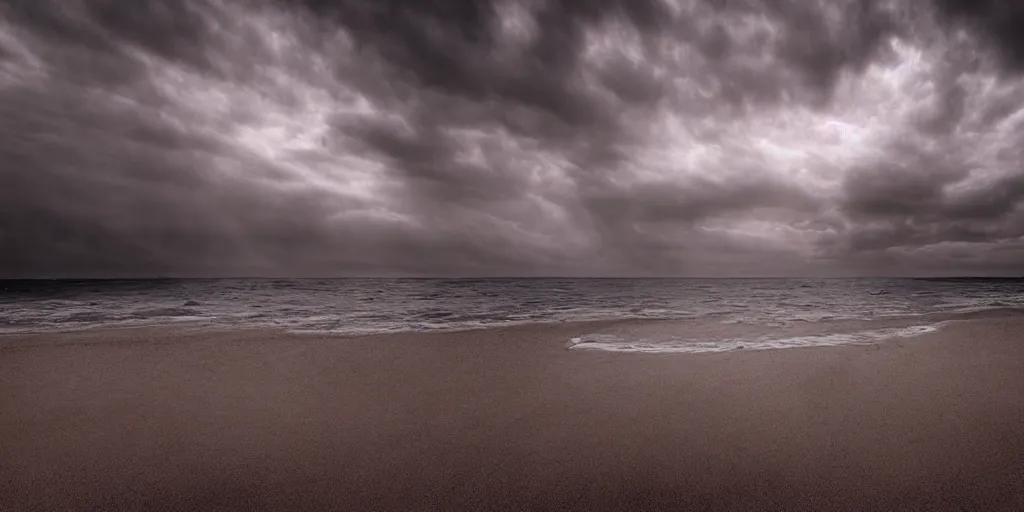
(614, 343)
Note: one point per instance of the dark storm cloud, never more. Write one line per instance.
(901, 209)
(90, 41)
(998, 22)
(508, 137)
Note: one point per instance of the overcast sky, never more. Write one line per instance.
(511, 137)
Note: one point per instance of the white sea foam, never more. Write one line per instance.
(613, 343)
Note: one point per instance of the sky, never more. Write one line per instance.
(511, 138)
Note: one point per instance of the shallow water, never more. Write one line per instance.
(683, 340)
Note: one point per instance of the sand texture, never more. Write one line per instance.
(507, 419)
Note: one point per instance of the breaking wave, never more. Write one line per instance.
(616, 343)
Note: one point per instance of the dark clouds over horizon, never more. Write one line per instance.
(511, 137)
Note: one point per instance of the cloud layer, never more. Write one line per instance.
(511, 137)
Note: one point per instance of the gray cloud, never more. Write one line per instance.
(513, 137)
(996, 22)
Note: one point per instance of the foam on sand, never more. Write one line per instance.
(614, 343)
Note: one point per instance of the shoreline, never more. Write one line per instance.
(639, 327)
(212, 325)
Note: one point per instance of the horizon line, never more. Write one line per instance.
(470, 278)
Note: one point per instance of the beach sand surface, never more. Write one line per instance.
(507, 419)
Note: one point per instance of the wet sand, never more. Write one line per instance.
(172, 419)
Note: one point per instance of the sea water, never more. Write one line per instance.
(748, 313)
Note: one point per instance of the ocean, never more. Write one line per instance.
(694, 315)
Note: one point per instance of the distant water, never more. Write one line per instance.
(360, 306)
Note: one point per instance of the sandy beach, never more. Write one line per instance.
(507, 419)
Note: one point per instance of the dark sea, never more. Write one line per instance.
(713, 314)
